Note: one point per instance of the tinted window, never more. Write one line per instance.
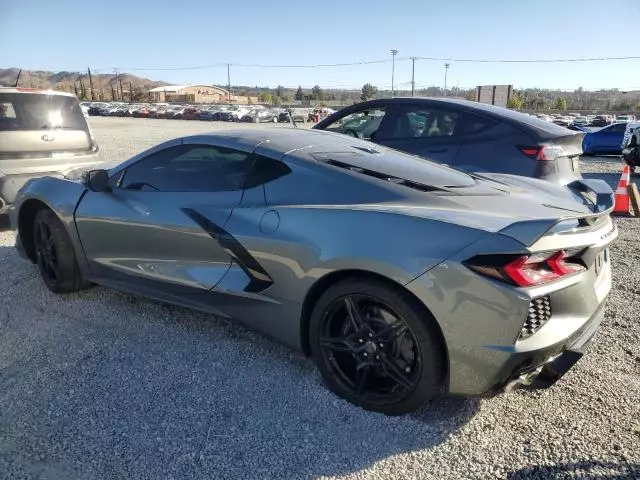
(265, 170)
(418, 121)
(35, 111)
(619, 128)
(472, 123)
(189, 168)
(361, 124)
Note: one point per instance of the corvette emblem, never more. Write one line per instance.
(47, 138)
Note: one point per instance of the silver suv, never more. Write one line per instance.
(42, 132)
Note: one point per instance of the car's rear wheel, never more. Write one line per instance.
(55, 255)
(375, 347)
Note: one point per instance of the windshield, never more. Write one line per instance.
(27, 111)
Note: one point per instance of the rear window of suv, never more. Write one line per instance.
(35, 111)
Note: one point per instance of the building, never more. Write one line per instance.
(196, 94)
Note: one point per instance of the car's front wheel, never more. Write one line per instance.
(55, 255)
(376, 347)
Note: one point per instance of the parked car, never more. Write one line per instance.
(236, 112)
(601, 121)
(630, 128)
(563, 121)
(42, 132)
(467, 135)
(96, 107)
(142, 111)
(606, 140)
(299, 115)
(108, 109)
(207, 113)
(400, 277)
(580, 122)
(186, 113)
(625, 118)
(259, 116)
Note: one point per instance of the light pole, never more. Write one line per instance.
(394, 52)
(446, 70)
(413, 75)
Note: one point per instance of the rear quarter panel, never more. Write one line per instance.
(325, 226)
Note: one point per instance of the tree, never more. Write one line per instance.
(515, 102)
(265, 97)
(299, 94)
(369, 92)
(279, 91)
(471, 95)
(638, 107)
(317, 93)
(561, 103)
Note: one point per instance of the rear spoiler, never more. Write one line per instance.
(595, 192)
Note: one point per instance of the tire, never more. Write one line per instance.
(415, 356)
(55, 255)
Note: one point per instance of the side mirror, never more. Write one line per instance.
(96, 180)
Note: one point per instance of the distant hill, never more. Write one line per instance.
(105, 86)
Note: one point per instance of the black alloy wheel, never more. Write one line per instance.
(375, 349)
(55, 255)
(46, 254)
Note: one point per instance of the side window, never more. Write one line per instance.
(265, 170)
(189, 168)
(472, 123)
(619, 128)
(362, 124)
(417, 121)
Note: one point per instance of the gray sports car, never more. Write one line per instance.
(402, 278)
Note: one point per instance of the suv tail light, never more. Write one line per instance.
(526, 270)
(544, 153)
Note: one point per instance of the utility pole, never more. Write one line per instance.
(446, 70)
(394, 52)
(413, 75)
(115, 70)
(90, 83)
(229, 81)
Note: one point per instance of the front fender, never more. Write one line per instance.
(60, 196)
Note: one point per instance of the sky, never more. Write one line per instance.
(165, 39)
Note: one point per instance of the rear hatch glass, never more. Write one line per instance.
(40, 123)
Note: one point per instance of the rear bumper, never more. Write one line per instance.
(17, 174)
(542, 368)
(10, 185)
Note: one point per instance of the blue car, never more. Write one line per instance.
(605, 140)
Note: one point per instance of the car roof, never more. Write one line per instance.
(35, 91)
(541, 127)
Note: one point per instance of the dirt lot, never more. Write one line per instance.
(105, 385)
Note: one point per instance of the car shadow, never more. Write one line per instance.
(139, 389)
(586, 470)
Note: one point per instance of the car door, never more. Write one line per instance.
(156, 228)
(421, 129)
(612, 137)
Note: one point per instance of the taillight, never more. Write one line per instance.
(525, 270)
(543, 153)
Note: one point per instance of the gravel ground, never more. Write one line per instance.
(105, 385)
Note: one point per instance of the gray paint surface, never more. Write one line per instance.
(320, 220)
